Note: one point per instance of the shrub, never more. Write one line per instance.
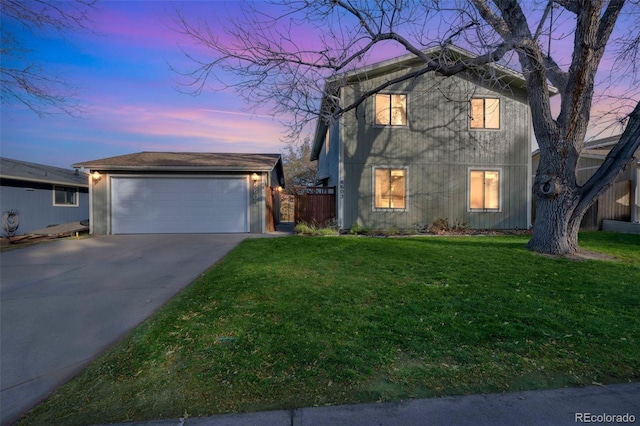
(441, 226)
(357, 229)
(314, 230)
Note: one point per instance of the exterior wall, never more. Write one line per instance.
(588, 166)
(328, 161)
(437, 148)
(100, 223)
(34, 202)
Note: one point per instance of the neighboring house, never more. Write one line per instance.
(621, 202)
(184, 192)
(428, 148)
(42, 195)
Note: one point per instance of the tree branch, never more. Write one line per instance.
(614, 164)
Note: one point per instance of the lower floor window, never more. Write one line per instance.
(484, 190)
(390, 188)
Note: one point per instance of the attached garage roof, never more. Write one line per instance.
(197, 161)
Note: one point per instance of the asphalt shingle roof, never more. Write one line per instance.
(33, 172)
(204, 161)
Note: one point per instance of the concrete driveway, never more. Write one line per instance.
(63, 303)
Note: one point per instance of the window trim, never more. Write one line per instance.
(484, 128)
(76, 196)
(500, 180)
(406, 109)
(406, 189)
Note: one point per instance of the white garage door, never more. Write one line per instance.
(179, 205)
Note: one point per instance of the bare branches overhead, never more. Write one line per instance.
(280, 54)
(23, 80)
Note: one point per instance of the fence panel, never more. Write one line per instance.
(315, 205)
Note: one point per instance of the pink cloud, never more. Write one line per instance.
(213, 126)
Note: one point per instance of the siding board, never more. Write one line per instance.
(34, 202)
(437, 148)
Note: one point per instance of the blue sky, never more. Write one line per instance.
(120, 73)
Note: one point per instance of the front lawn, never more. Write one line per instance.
(299, 321)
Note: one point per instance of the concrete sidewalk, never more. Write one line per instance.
(613, 404)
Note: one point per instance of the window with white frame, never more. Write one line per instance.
(65, 196)
(391, 109)
(484, 190)
(390, 188)
(485, 113)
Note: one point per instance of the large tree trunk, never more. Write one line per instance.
(554, 231)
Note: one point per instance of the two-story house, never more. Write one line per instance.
(429, 147)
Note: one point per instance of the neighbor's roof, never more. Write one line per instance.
(177, 161)
(597, 149)
(600, 148)
(33, 172)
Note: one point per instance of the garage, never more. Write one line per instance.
(162, 205)
(184, 192)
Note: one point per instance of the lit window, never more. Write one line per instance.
(65, 196)
(390, 189)
(391, 110)
(485, 113)
(484, 190)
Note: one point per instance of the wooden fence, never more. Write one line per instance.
(613, 204)
(315, 205)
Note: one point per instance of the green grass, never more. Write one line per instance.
(298, 321)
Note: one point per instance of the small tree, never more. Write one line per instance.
(24, 81)
(271, 63)
(298, 169)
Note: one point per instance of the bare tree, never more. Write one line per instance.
(271, 63)
(23, 80)
(298, 170)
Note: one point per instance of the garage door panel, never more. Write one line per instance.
(179, 205)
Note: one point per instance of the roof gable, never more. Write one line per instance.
(502, 73)
(506, 76)
(33, 172)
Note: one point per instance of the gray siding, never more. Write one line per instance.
(34, 201)
(437, 148)
(328, 161)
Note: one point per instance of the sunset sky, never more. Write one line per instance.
(120, 73)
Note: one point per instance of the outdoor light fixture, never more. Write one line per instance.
(96, 176)
(256, 186)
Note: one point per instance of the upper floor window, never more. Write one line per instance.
(485, 113)
(484, 190)
(390, 188)
(65, 196)
(391, 109)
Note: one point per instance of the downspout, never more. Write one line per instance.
(263, 201)
(530, 173)
(341, 185)
(91, 221)
(635, 206)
